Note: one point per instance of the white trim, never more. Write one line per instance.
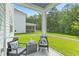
(30, 24)
(38, 8)
(5, 37)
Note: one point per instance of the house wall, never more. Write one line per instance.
(6, 18)
(2, 18)
(19, 22)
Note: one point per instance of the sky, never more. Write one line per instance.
(59, 7)
(27, 11)
(30, 12)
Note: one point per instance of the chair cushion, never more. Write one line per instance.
(31, 42)
(14, 44)
(19, 50)
(43, 41)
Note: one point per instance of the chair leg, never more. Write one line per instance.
(39, 49)
(48, 49)
(26, 51)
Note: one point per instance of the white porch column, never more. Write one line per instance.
(4, 43)
(6, 22)
(35, 28)
(44, 23)
(8, 16)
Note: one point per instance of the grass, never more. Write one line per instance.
(66, 47)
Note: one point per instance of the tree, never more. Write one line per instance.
(52, 20)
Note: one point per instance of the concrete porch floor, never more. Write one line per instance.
(44, 52)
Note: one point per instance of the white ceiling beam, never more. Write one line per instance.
(38, 8)
(50, 6)
(31, 6)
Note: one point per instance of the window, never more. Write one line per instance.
(11, 28)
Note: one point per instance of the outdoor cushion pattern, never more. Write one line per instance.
(14, 44)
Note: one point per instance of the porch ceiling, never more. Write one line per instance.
(40, 7)
(43, 5)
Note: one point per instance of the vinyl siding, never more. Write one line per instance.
(7, 15)
(20, 22)
(2, 18)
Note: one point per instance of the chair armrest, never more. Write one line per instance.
(22, 43)
(25, 44)
(13, 48)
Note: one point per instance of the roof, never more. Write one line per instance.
(30, 24)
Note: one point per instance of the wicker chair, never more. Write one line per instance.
(31, 48)
(15, 51)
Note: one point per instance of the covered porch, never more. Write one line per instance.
(65, 44)
(44, 52)
(43, 9)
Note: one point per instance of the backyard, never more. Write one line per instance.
(65, 44)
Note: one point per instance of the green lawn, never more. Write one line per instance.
(66, 47)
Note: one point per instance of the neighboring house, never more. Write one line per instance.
(20, 24)
(30, 27)
(19, 21)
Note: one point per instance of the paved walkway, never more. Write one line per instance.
(44, 52)
(64, 38)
